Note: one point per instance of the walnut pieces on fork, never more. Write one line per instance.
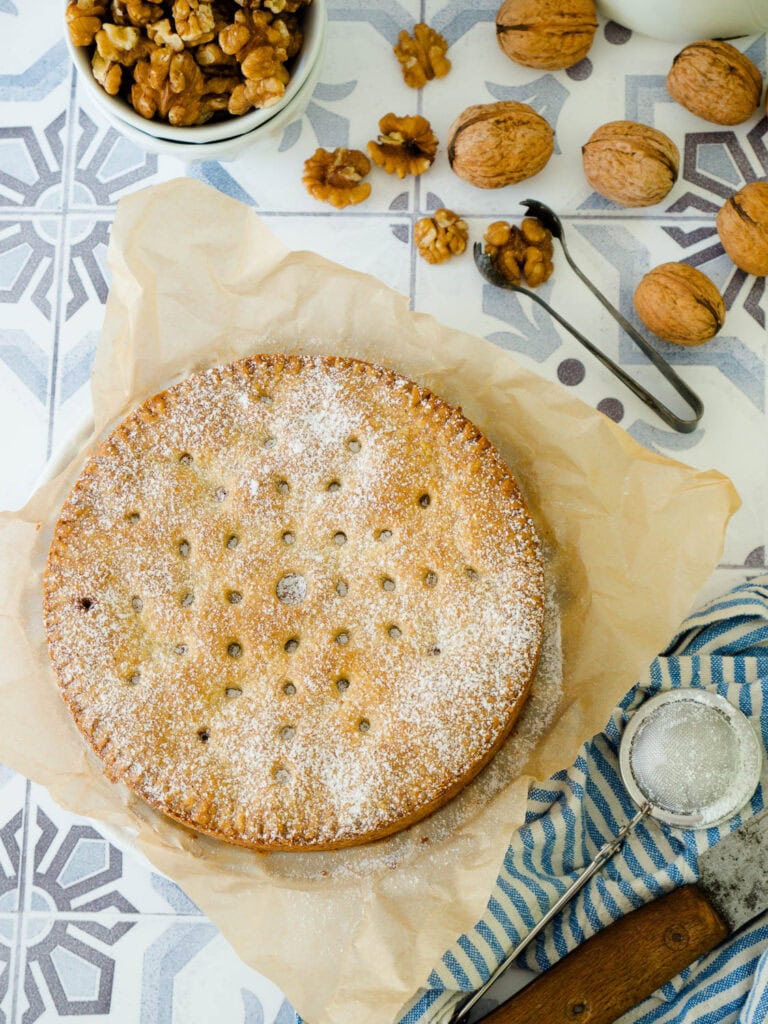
(518, 253)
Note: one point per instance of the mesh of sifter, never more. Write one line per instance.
(693, 757)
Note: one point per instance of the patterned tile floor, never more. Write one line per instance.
(87, 930)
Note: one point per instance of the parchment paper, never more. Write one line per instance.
(198, 280)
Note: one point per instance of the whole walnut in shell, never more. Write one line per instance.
(742, 224)
(495, 144)
(715, 81)
(630, 163)
(549, 34)
(680, 304)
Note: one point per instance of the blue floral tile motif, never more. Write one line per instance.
(106, 164)
(75, 870)
(67, 961)
(30, 172)
(68, 968)
(387, 17)
(40, 78)
(27, 254)
(455, 19)
(87, 265)
(330, 128)
(10, 862)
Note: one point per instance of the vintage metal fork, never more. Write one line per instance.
(552, 222)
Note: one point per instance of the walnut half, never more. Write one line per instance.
(422, 55)
(337, 177)
(440, 236)
(406, 145)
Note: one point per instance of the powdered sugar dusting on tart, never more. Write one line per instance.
(295, 602)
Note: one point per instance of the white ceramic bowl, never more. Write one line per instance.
(119, 110)
(224, 149)
(685, 21)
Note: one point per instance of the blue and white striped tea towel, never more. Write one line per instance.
(723, 648)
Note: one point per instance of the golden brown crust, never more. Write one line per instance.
(295, 602)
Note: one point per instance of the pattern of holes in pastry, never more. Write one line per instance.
(404, 662)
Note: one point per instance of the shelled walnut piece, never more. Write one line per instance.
(521, 253)
(186, 61)
(680, 304)
(440, 236)
(715, 81)
(337, 177)
(422, 55)
(406, 145)
(84, 20)
(261, 46)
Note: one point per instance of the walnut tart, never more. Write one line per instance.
(295, 603)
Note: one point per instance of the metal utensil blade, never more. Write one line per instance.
(734, 873)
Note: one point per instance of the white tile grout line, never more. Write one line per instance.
(68, 161)
(12, 213)
(416, 196)
(15, 967)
